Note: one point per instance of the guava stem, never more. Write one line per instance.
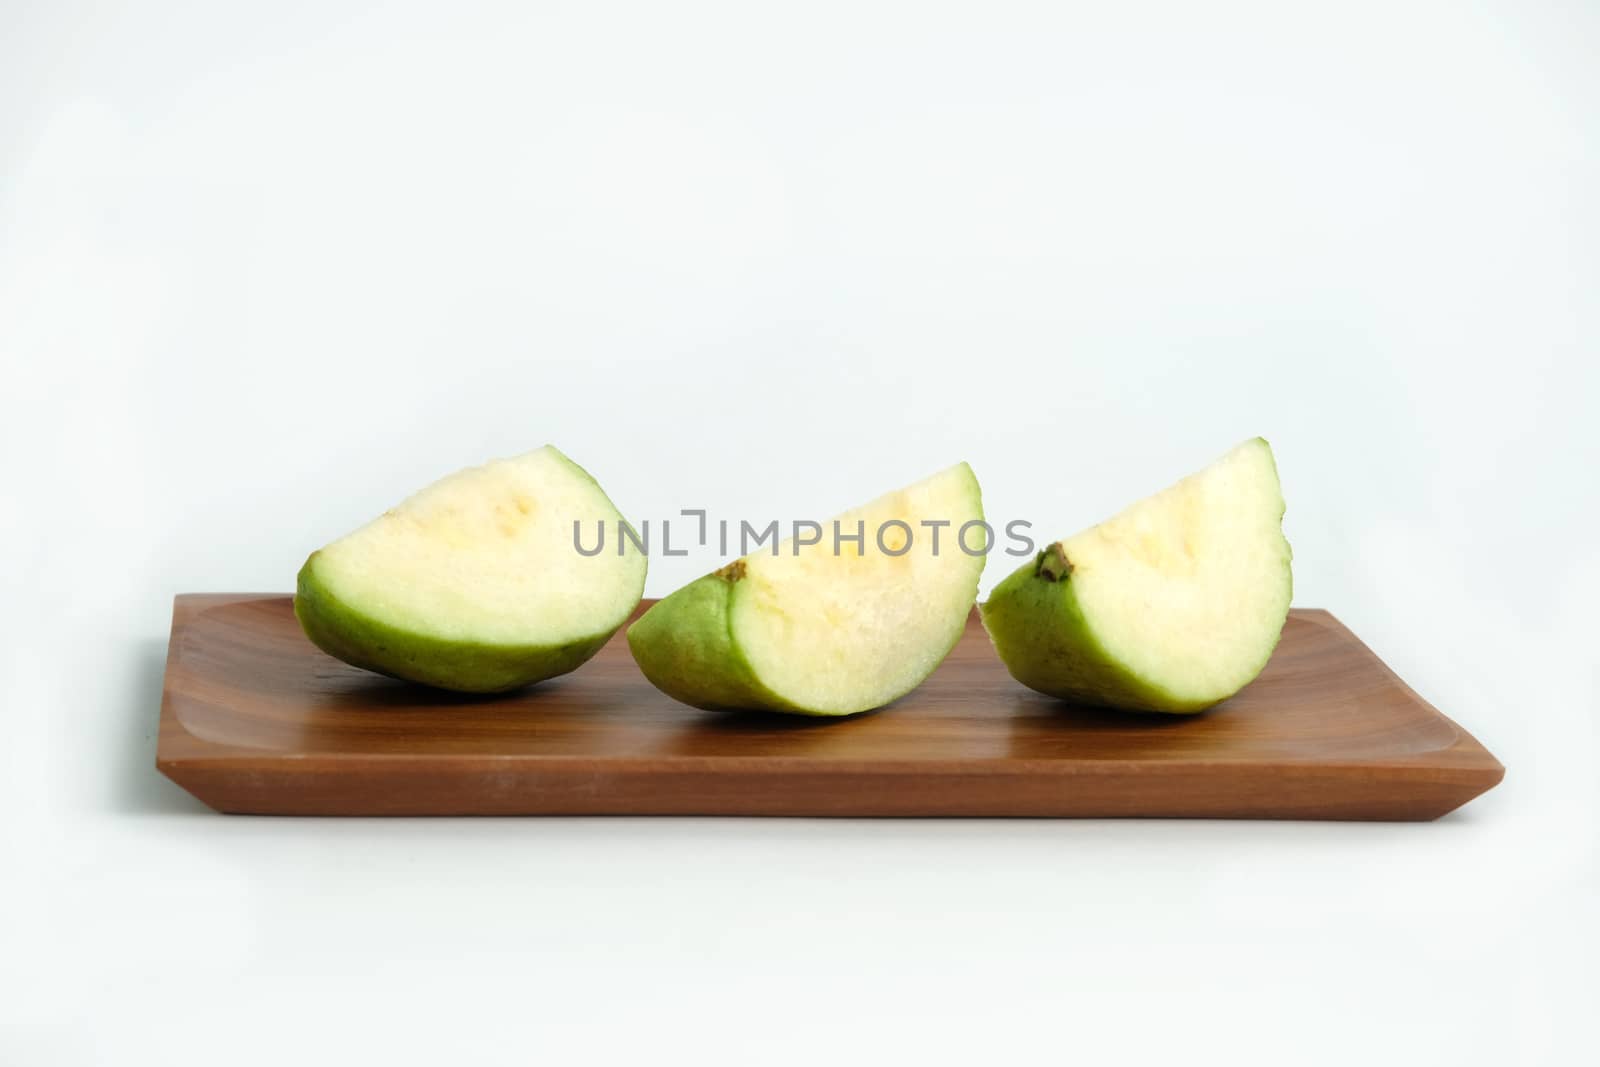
(732, 572)
(1053, 564)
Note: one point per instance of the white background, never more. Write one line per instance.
(265, 269)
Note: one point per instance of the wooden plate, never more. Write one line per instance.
(254, 719)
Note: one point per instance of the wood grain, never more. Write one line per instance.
(254, 719)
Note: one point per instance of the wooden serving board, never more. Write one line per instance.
(254, 719)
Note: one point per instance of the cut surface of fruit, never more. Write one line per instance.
(827, 628)
(476, 582)
(1173, 605)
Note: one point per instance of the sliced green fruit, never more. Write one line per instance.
(1173, 605)
(818, 631)
(476, 583)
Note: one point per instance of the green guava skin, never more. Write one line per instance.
(684, 645)
(360, 640)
